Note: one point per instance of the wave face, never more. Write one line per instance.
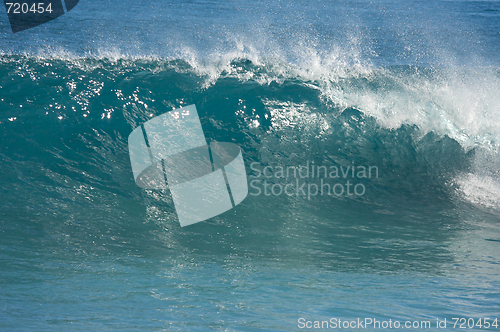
(403, 110)
(66, 170)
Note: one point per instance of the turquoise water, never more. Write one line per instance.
(412, 90)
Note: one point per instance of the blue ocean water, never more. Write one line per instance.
(409, 88)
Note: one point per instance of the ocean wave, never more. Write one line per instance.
(422, 126)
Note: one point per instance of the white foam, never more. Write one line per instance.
(481, 190)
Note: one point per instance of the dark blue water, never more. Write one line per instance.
(411, 89)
